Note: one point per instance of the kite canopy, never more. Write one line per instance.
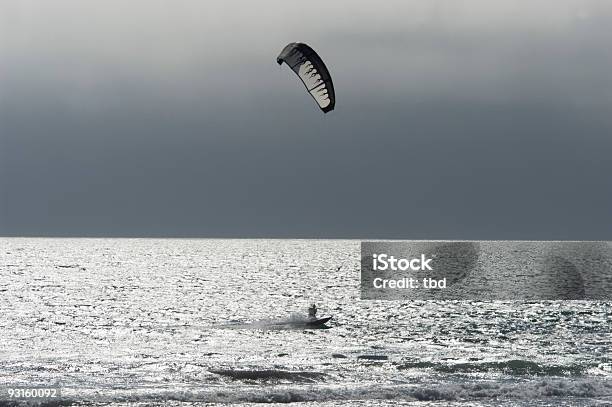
(313, 73)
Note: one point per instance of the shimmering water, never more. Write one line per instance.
(143, 320)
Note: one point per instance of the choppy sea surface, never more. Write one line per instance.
(192, 322)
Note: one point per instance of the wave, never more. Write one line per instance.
(471, 391)
(514, 367)
(271, 375)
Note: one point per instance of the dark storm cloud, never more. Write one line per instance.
(472, 121)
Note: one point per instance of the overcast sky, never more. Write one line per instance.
(472, 119)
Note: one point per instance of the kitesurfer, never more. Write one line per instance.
(312, 311)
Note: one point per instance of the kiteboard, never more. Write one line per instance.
(317, 322)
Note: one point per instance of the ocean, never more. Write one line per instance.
(202, 321)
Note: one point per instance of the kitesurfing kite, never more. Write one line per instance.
(313, 73)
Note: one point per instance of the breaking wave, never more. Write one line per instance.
(535, 390)
(511, 367)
